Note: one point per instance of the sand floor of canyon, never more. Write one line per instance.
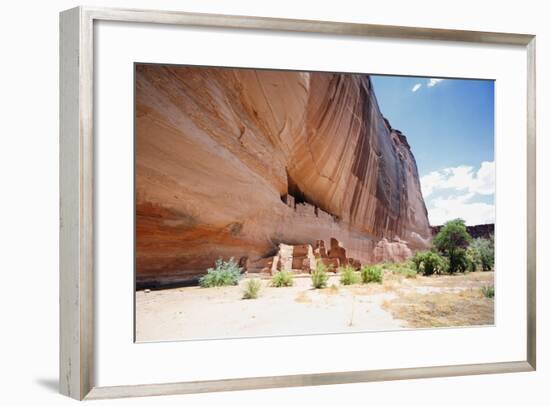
(400, 302)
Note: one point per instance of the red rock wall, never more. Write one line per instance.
(220, 151)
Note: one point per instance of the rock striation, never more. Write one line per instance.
(235, 162)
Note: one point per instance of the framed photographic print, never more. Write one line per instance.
(303, 201)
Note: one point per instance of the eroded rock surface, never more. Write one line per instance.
(391, 251)
(234, 162)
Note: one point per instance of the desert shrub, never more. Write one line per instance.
(348, 276)
(388, 265)
(403, 268)
(474, 259)
(371, 274)
(282, 279)
(224, 273)
(452, 241)
(460, 262)
(407, 272)
(319, 276)
(429, 263)
(252, 289)
(484, 249)
(488, 291)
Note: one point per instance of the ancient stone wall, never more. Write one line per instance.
(304, 258)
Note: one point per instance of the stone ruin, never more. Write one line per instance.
(303, 258)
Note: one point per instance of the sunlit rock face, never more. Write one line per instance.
(233, 162)
(396, 251)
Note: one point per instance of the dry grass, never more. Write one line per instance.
(391, 283)
(467, 307)
(471, 279)
(302, 297)
(331, 290)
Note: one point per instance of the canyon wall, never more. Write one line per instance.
(477, 231)
(233, 162)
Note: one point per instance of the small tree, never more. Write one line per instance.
(462, 262)
(474, 258)
(429, 263)
(452, 241)
(485, 252)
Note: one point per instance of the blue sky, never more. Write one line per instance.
(449, 124)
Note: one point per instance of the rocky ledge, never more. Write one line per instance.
(477, 231)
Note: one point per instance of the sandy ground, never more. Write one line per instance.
(201, 313)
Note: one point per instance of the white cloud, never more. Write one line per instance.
(485, 179)
(455, 192)
(443, 209)
(432, 82)
(461, 178)
(430, 182)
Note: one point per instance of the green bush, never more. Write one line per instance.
(484, 249)
(319, 276)
(282, 279)
(225, 273)
(348, 276)
(407, 272)
(429, 263)
(488, 291)
(371, 274)
(403, 268)
(252, 289)
(460, 262)
(452, 241)
(474, 259)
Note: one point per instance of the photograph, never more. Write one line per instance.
(282, 202)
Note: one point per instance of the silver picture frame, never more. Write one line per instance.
(76, 377)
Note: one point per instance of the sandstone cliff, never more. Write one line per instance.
(233, 162)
